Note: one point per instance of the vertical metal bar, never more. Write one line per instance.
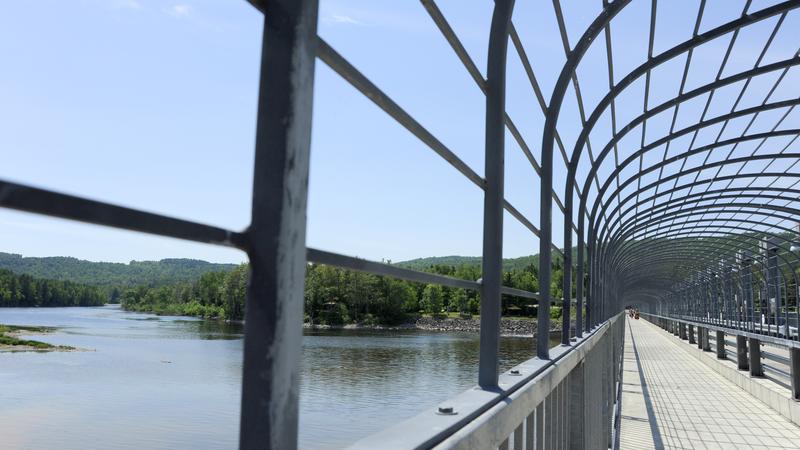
(773, 295)
(518, 438)
(794, 366)
(493, 197)
(721, 345)
(504, 445)
(706, 342)
(559, 414)
(549, 421)
(691, 335)
(564, 412)
(727, 287)
(700, 337)
(755, 358)
(540, 426)
(608, 402)
(579, 303)
(530, 431)
(274, 313)
(741, 353)
(577, 407)
(746, 278)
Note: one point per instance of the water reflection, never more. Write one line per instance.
(174, 383)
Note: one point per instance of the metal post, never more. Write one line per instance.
(794, 366)
(682, 331)
(700, 337)
(773, 280)
(579, 282)
(691, 335)
(714, 304)
(741, 353)
(721, 345)
(706, 342)
(727, 293)
(274, 313)
(577, 406)
(493, 196)
(755, 358)
(746, 277)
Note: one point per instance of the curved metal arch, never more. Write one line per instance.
(662, 239)
(592, 268)
(700, 183)
(697, 169)
(657, 251)
(697, 40)
(665, 56)
(632, 236)
(572, 172)
(653, 247)
(546, 186)
(629, 232)
(590, 263)
(698, 126)
(684, 155)
(593, 230)
(670, 232)
(719, 193)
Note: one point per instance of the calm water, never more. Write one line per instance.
(174, 382)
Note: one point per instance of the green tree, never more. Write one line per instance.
(432, 299)
(459, 300)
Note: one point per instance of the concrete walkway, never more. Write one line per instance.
(670, 400)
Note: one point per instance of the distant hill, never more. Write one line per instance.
(151, 273)
(509, 264)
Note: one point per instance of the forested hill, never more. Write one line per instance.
(153, 273)
(509, 264)
(25, 290)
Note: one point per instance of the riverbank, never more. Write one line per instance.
(519, 327)
(10, 339)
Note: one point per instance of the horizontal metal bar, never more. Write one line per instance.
(519, 292)
(390, 270)
(346, 70)
(776, 341)
(50, 203)
(775, 370)
(775, 357)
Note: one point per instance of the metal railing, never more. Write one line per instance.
(655, 247)
(569, 401)
(765, 356)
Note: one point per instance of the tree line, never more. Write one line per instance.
(26, 291)
(132, 274)
(335, 296)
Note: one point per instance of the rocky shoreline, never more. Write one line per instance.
(508, 327)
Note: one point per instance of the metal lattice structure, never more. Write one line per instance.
(680, 237)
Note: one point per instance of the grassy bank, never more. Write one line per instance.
(10, 338)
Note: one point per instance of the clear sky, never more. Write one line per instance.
(151, 104)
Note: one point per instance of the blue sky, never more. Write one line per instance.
(151, 104)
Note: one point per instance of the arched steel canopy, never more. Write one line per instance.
(680, 214)
(658, 217)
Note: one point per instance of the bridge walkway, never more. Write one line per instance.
(670, 400)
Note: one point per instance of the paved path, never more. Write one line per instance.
(673, 401)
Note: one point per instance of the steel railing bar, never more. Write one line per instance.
(394, 271)
(353, 76)
(50, 203)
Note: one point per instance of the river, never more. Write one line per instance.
(161, 382)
